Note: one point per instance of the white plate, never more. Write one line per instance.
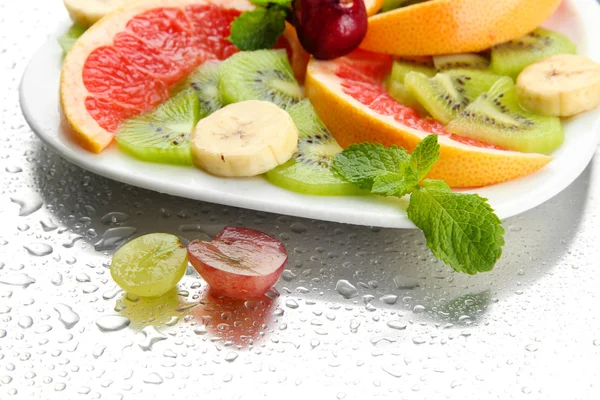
(579, 19)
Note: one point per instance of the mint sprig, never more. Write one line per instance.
(461, 229)
(261, 27)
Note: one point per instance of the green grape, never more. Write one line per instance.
(150, 265)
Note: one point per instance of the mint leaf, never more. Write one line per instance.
(426, 154)
(258, 29)
(287, 4)
(396, 184)
(362, 163)
(68, 39)
(461, 229)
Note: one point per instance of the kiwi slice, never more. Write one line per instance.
(395, 81)
(163, 134)
(460, 61)
(308, 170)
(204, 81)
(496, 118)
(259, 75)
(512, 57)
(448, 93)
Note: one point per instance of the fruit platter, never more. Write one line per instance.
(188, 97)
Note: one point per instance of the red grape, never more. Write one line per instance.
(330, 28)
(239, 262)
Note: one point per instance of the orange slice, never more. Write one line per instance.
(454, 26)
(128, 62)
(348, 95)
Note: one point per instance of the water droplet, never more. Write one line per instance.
(91, 288)
(231, 356)
(525, 390)
(66, 315)
(455, 384)
(39, 249)
(152, 335)
(71, 244)
(172, 321)
(354, 324)
(596, 342)
(389, 299)
(29, 205)
(346, 289)
(6, 379)
(405, 282)
(43, 329)
(111, 323)
(200, 330)
(5, 309)
(418, 309)
(48, 225)
(81, 278)
(532, 347)
(396, 325)
(153, 378)
(288, 275)
(113, 236)
(25, 322)
(13, 169)
(113, 218)
(298, 227)
(515, 228)
(314, 343)
(23, 227)
(112, 293)
(170, 354)
(291, 304)
(98, 351)
(418, 340)
(57, 279)
(20, 279)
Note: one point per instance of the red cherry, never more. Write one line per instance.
(239, 262)
(330, 28)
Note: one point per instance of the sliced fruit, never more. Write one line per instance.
(204, 81)
(308, 170)
(239, 262)
(150, 265)
(68, 39)
(297, 55)
(127, 63)
(561, 86)
(348, 96)
(396, 87)
(448, 27)
(259, 75)
(460, 61)
(88, 12)
(497, 118)
(244, 139)
(163, 134)
(447, 93)
(512, 57)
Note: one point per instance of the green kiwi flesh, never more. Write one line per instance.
(448, 93)
(512, 57)
(308, 170)
(259, 75)
(163, 134)
(396, 88)
(204, 81)
(460, 61)
(496, 118)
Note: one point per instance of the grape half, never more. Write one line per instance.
(150, 265)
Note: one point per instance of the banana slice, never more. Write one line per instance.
(87, 12)
(244, 139)
(560, 86)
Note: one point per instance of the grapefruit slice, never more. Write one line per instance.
(454, 26)
(350, 98)
(128, 62)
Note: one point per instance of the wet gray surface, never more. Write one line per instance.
(361, 313)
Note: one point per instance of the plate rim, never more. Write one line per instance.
(584, 10)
